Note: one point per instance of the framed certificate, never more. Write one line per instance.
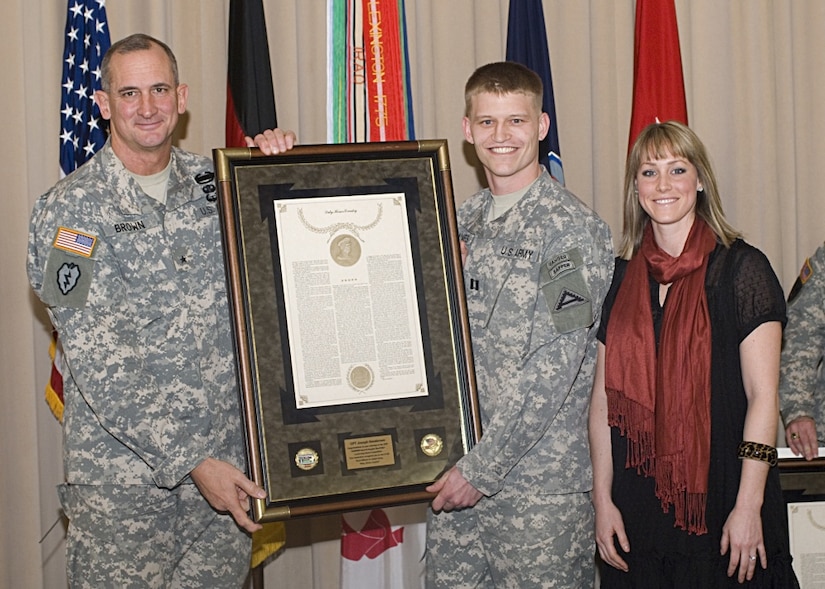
(803, 486)
(351, 333)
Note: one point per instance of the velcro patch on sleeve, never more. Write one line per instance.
(806, 272)
(76, 242)
(566, 292)
(804, 276)
(67, 280)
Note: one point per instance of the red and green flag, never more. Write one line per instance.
(368, 83)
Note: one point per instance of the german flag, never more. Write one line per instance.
(250, 97)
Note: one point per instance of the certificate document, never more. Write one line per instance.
(350, 299)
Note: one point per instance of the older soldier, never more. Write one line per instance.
(802, 396)
(515, 511)
(126, 255)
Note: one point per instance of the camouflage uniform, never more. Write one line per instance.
(801, 380)
(137, 291)
(535, 280)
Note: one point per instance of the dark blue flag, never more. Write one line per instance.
(82, 131)
(527, 45)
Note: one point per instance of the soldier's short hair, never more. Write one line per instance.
(130, 44)
(503, 77)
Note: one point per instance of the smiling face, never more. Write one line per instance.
(672, 154)
(667, 189)
(143, 104)
(505, 130)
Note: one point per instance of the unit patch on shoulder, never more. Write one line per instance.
(67, 276)
(68, 273)
(566, 292)
(568, 299)
(76, 242)
(563, 263)
(804, 276)
(807, 271)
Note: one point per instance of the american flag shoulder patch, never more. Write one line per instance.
(74, 241)
(806, 272)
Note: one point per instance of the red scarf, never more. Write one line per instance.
(662, 405)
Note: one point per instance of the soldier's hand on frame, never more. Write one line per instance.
(800, 434)
(453, 492)
(273, 141)
(227, 490)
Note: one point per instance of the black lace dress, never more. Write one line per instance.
(743, 292)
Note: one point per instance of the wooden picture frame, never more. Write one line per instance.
(351, 332)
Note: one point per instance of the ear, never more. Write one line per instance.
(468, 134)
(544, 125)
(102, 102)
(182, 92)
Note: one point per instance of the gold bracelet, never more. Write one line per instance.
(757, 451)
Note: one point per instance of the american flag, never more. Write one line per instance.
(75, 241)
(82, 131)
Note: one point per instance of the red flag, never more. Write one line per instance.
(250, 98)
(54, 388)
(373, 539)
(384, 548)
(658, 86)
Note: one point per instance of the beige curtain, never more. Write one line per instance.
(755, 82)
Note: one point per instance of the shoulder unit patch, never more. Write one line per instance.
(565, 292)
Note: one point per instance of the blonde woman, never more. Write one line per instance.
(684, 406)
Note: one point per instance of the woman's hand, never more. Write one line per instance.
(742, 535)
(609, 524)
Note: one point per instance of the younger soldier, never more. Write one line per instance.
(516, 510)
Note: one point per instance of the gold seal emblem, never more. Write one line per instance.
(431, 444)
(360, 377)
(306, 459)
(345, 250)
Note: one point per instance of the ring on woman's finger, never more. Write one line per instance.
(752, 557)
(794, 436)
